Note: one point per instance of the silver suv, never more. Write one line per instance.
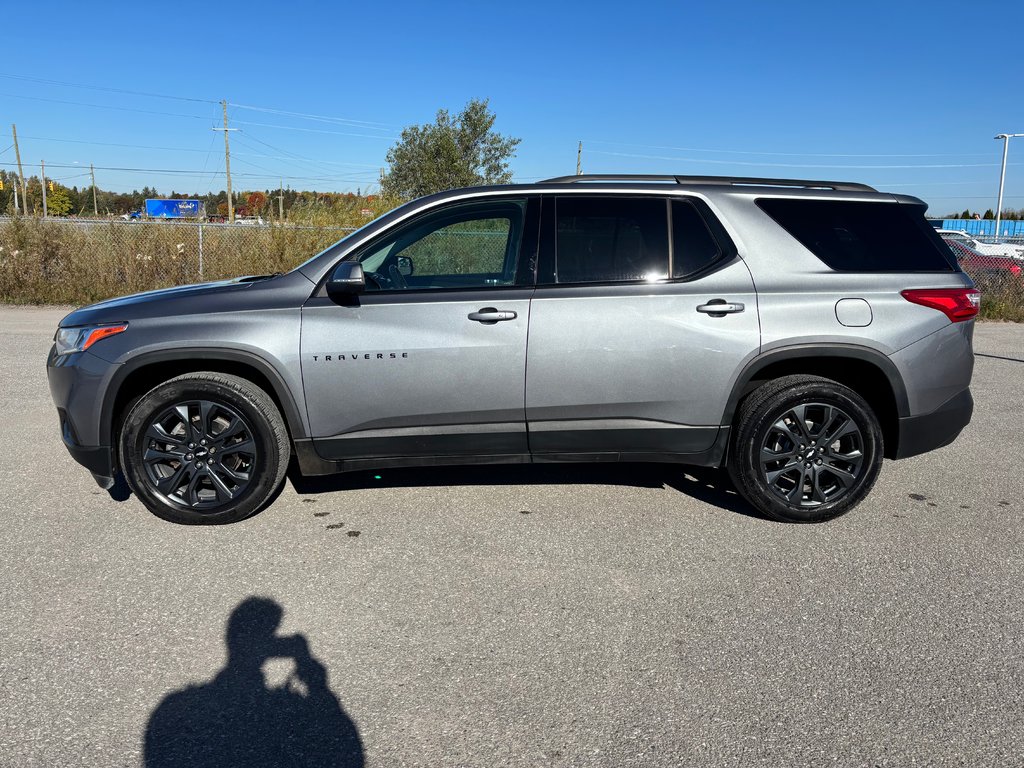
(793, 331)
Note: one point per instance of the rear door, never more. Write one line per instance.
(642, 317)
(430, 360)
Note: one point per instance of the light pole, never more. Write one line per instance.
(1002, 174)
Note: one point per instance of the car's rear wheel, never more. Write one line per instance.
(805, 449)
(204, 448)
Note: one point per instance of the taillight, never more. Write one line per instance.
(958, 304)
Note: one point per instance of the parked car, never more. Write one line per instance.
(987, 247)
(978, 265)
(795, 332)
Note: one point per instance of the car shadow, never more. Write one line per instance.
(239, 718)
(711, 486)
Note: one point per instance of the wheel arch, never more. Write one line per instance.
(866, 371)
(141, 374)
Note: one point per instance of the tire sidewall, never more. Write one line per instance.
(752, 435)
(166, 395)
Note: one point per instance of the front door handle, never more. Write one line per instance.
(720, 308)
(490, 315)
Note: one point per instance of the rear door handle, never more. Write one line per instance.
(720, 307)
(490, 315)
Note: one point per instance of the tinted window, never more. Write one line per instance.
(693, 247)
(862, 237)
(605, 239)
(465, 246)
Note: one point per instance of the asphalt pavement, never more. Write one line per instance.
(522, 616)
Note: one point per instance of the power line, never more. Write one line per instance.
(778, 154)
(314, 130)
(973, 197)
(105, 88)
(183, 172)
(302, 167)
(112, 144)
(367, 124)
(206, 162)
(791, 165)
(319, 162)
(188, 149)
(103, 106)
(294, 156)
(297, 157)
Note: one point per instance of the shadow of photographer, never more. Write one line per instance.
(237, 719)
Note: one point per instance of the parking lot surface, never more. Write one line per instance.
(522, 616)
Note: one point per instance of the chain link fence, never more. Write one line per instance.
(996, 266)
(81, 261)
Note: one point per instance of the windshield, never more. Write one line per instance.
(341, 243)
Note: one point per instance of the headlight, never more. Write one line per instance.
(70, 340)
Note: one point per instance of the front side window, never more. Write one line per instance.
(609, 239)
(473, 245)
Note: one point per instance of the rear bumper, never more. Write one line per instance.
(920, 434)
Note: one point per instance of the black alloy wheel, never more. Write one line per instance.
(200, 454)
(805, 449)
(204, 448)
(812, 454)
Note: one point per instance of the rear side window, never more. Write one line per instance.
(611, 239)
(860, 236)
(693, 246)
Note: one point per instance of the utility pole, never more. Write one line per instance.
(227, 160)
(21, 174)
(1002, 174)
(42, 178)
(95, 208)
(579, 159)
(280, 203)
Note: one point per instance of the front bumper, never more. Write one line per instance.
(920, 434)
(99, 459)
(77, 383)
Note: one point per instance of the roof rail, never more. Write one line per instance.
(746, 181)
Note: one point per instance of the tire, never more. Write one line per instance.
(227, 478)
(837, 465)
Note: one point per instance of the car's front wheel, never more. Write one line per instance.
(204, 448)
(805, 449)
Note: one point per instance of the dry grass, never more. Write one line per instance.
(53, 262)
(1002, 301)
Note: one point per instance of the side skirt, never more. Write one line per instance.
(312, 464)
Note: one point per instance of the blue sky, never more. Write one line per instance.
(902, 95)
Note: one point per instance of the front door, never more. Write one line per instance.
(430, 360)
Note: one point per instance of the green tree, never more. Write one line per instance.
(451, 152)
(58, 201)
(966, 214)
(989, 214)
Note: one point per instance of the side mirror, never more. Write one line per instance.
(347, 279)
